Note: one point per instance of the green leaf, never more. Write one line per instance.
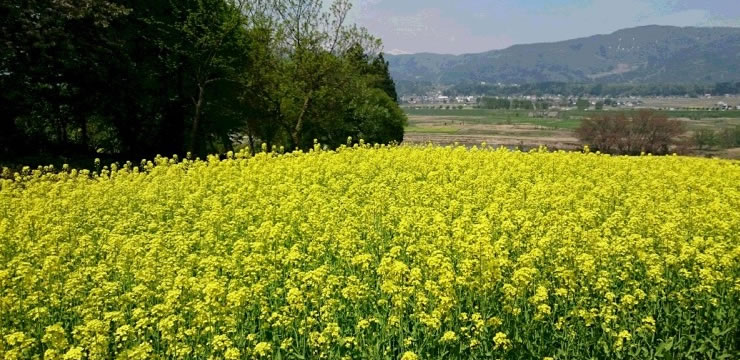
(664, 346)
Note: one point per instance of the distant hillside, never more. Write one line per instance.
(642, 55)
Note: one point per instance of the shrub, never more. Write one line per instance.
(705, 138)
(729, 137)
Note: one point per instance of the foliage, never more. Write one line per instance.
(387, 253)
(144, 77)
(494, 103)
(644, 131)
(729, 137)
(375, 119)
(44, 69)
(522, 104)
(705, 138)
(726, 138)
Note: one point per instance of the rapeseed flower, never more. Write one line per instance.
(371, 252)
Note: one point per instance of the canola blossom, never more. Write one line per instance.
(374, 253)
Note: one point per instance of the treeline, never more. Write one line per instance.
(723, 138)
(138, 77)
(594, 89)
(647, 131)
(504, 104)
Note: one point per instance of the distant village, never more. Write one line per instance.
(549, 105)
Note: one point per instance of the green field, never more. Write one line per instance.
(491, 117)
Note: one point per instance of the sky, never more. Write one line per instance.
(467, 26)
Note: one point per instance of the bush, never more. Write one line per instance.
(725, 138)
(729, 137)
(645, 131)
(705, 138)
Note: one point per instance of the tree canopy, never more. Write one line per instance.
(138, 78)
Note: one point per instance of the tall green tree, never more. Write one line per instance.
(217, 47)
(52, 54)
(141, 77)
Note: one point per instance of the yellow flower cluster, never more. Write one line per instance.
(373, 252)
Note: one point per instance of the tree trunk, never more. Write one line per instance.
(250, 137)
(228, 145)
(8, 136)
(296, 133)
(85, 138)
(171, 131)
(196, 119)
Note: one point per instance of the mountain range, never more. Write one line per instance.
(642, 55)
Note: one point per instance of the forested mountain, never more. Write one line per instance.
(642, 55)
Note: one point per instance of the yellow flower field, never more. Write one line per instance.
(374, 253)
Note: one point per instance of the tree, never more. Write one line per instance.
(313, 40)
(162, 76)
(52, 54)
(494, 103)
(729, 137)
(217, 47)
(126, 73)
(645, 131)
(379, 118)
(705, 138)
(380, 68)
(653, 132)
(314, 72)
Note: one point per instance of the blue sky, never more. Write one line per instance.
(464, 26)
